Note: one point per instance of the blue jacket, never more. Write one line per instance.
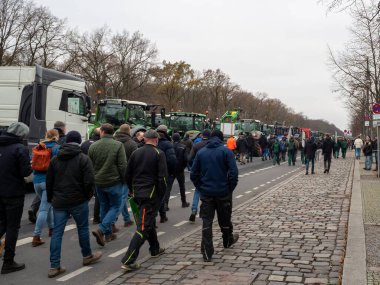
(40, 176)
(167, 147)
(214, 171)
(14, 166)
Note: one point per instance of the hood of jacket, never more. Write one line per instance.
(68, 151)
(121, 137)
(214, 142)
(8, 139)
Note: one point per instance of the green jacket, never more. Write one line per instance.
(109, 160)
(291, 145)
(276, 147)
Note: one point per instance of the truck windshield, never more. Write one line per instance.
(137, 115)
(181, 123)
(112, 113)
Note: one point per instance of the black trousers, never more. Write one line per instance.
(223, 208)
(180, 176)
(10, 218)
(327, 162)
(165, 199)
(146, 230)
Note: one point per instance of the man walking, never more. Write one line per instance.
(14, 166)
(70, 184)
(276, 152)
(197, 147)
(215, 175)
(146, 177)
(358, 144)
(109, 160)
(130, 146)
(310, 149)
(327, 151)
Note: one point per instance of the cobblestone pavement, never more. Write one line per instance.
(293, 234)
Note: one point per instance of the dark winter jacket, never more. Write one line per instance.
(241, 145)
(250, 142)
(181, 156)
(85, 146)
(310, 149)
(327, 147)
(167, 147)
(70, 179)
(14, 166)
(197, 147)
(146, 173)
(129, 144)
(263, 141)
(367, 149)
(214, 172)
(62, 136)
(189, 145)
(109, 161)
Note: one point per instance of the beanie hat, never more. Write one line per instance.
(18, 129)
(176, 137)
(162, 128)
(218, 134)
(73, 137)
(206, 133)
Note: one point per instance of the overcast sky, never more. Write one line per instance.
(273, 46)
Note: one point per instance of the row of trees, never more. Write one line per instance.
(356, 69)
(125, 65)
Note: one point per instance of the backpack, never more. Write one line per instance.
(41, 156)
(282, 146)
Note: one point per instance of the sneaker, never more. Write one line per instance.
(53, 272)
(2, 245)
(98, 234)
(32, 216)
(128, 224)
(163, 219)
(37, 241)
(234, 239)
(12, 267)
(192, 217)
(161, 251)
(130, 267)
(111, 237)
(185, 204)
(114, 229)
(92, 258)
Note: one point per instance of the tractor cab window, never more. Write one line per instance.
(111, 113)
(137, 114)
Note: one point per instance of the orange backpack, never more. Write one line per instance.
(41, 156)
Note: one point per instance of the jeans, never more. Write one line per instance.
(264, 153)
(194, 206)
(368, 162)
(110, 201)
(45, 213)
(10, 218)
(80, 216)
(357, 153)
(145, 230)
(96, 208)
(124, 205)
(307, 162)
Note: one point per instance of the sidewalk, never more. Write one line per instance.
(293, 234)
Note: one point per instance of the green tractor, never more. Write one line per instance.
(117, 112)
(187, 122)
(232, 125)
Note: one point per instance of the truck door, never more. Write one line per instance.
(76, 114)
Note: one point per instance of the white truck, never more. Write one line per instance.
(39, 97)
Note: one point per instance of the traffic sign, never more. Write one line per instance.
(376, 108)
(376, 124)
(366, 123)
(376, 116)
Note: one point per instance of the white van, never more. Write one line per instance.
(39, 97)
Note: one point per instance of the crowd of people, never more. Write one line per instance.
(114, 168)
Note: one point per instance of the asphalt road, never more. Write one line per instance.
(254, 178)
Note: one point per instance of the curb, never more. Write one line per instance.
(119, 273)
(355, 267)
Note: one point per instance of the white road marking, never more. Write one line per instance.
(240, 175)
(70, 227)
(252, 172)
(160, 233)
(269, 182)
(187, 193)
(172, 197)
(273, 180)
(255, 188)
(119, 252)
(24, 241)
(74, 273)
(239, 196)
(247, 192)
(262, 185)
(192, 189)
(180, 223)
